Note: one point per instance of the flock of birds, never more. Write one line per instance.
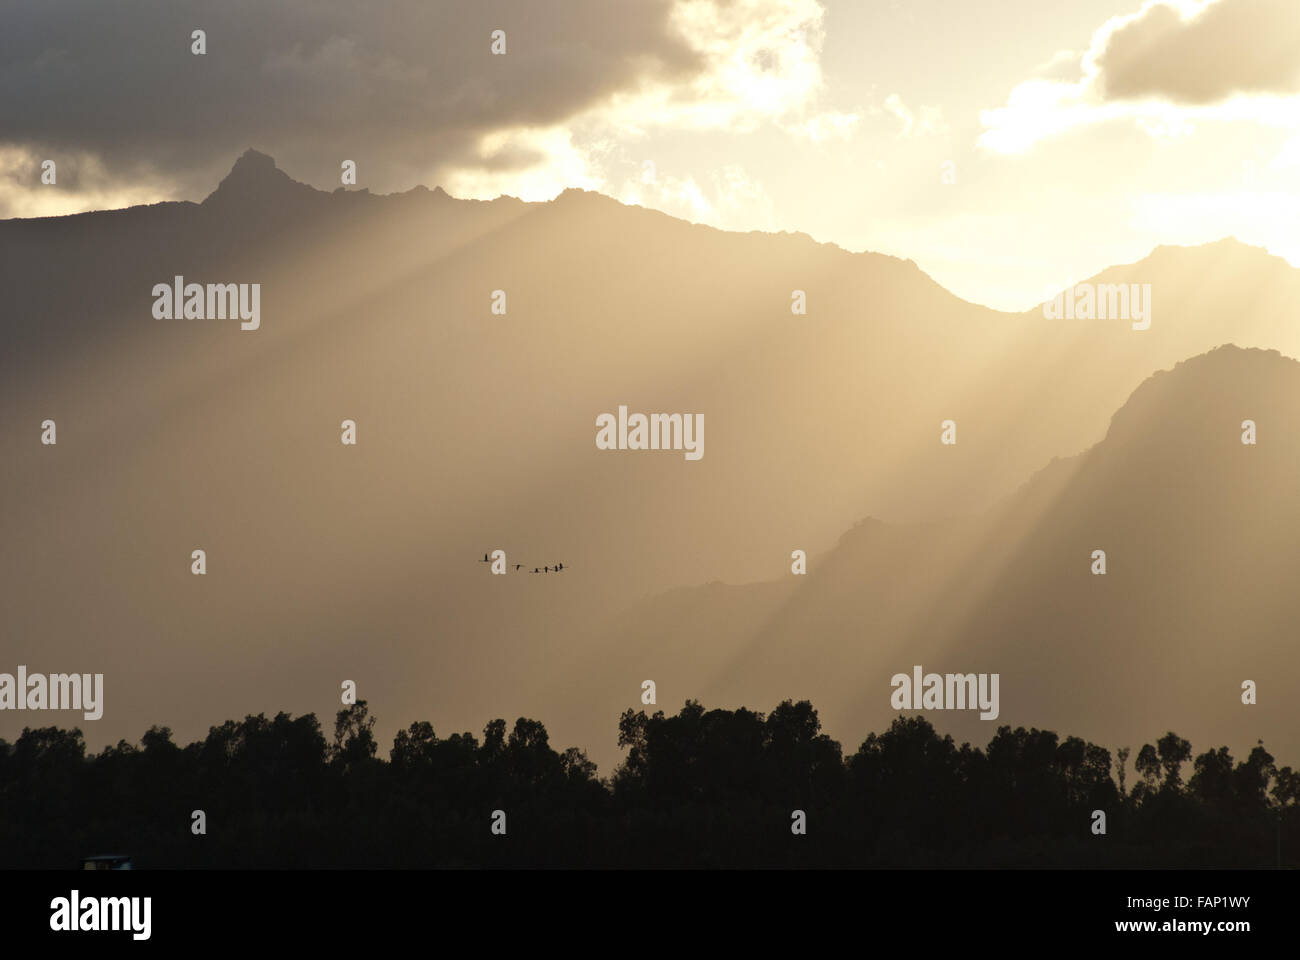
(518, 566)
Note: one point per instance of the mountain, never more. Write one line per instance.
(476, 431)
(1199, 535)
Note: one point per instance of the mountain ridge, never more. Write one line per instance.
(476, 433)
(255, 178)
(1015, 591)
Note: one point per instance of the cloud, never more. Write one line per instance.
(735, 201)
(757, 64)
(80, 183)
(1064, 65)
(1165, 67)
(315, 81)
(412, 93)
(1200, 54)
(930, 121)
(531, 164)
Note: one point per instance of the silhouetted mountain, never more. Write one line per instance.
(477, 430)
(256, 179)
(1199, 534)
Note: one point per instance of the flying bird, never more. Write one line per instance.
(519, 566)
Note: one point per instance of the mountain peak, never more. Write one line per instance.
(253, 161)
(256, 178)
(1213, 381)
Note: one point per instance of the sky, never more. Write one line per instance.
(1009, 147)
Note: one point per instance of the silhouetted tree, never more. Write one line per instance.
(1174, 751)
(354, 738)
(697, 788)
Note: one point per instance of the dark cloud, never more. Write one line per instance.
(399, 86)
(1230, 47)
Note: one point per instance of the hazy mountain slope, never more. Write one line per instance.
(477, 431)
(1200, 536)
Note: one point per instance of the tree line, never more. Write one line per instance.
(702, 788)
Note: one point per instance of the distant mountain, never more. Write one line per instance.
(476, 431)
(1199, 532)
(256, 180)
